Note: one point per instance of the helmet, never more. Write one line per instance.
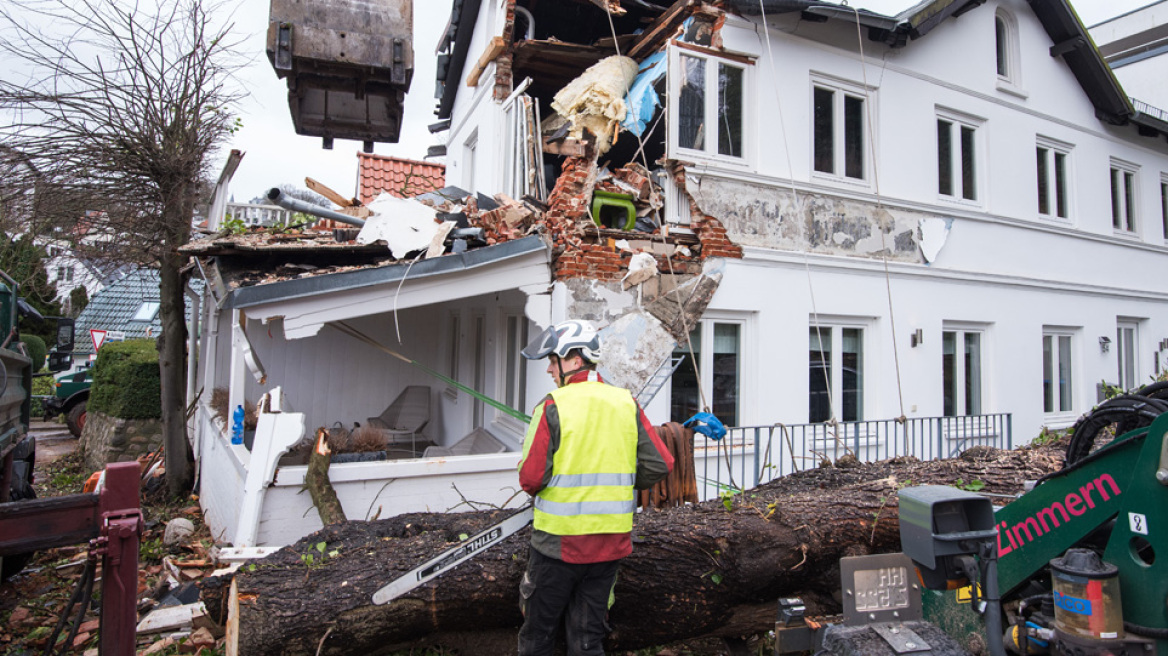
(563, 338)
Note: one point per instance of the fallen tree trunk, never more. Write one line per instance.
(714, 568)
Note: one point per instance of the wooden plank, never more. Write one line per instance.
(662, 29)
(37, 524)
(714, 53)
(324, 190)
(493, 50)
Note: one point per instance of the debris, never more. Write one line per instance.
(159, 647)
(595, 100)
(642, 99)
(177, 531)
(642, 267)
(405, 225)
(169, 618)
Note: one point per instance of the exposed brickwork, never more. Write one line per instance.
(504, 82)
(710, 231)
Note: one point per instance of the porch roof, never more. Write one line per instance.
(306, 304)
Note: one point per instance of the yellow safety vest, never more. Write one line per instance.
(593, 470)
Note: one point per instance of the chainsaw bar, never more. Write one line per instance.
(447, 560)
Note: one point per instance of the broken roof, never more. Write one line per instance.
(1067, 33)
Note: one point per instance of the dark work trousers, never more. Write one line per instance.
(549, 588)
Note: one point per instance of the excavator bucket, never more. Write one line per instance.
(348, 64)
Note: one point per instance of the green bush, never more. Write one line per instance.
(126, 382)
(44, 386)
(36, 351)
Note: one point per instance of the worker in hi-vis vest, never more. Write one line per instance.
(588, 447)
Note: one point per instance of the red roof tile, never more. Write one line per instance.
(396, 176)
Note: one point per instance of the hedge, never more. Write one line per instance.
(36, 351)
(126, 383)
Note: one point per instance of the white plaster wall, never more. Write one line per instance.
(780, 289)
(1144, 80)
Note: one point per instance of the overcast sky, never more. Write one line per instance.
(276, 155)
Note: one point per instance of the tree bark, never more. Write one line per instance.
(172, 373)
(714, 568)
(324, 497)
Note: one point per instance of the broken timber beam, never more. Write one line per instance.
(324, 190)
(660, 30)
(493, 50)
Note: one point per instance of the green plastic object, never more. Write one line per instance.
(602, 199)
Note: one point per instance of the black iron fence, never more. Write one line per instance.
(751, 455)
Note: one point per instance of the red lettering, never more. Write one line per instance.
(1026, 525)
(1049, 512)
(1086, 492)
(1111, 482)
(1073, 503)
(1003, 552)
(1010, 537)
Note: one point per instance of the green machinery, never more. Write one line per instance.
(1078, 565)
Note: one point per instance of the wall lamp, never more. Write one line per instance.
(917, 338)
(1104, 344)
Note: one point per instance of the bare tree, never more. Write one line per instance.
(119, 109)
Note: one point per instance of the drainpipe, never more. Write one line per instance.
(284, 200)
(530, 21)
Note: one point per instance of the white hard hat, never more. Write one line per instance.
(563, 338)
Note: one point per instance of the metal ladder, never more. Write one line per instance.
(657, 380)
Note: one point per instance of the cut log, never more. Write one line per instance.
(709, 569)
(328, 506)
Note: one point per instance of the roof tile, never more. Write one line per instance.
(396, 176)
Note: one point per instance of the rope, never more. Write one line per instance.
(798, 207)
(358, 335)
(880, 206)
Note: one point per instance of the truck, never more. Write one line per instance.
(70, 397)
(17, 446)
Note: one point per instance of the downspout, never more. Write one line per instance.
(530, 34)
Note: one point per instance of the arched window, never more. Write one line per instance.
(1006, 49)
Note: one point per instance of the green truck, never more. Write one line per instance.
(17, 446)
(70, 397)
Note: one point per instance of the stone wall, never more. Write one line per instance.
(109, 439)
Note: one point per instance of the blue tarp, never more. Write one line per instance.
(642, 100)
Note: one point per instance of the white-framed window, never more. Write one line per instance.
(1053, 163)
(1057, 371)
(1124, 212)
(962, 353)
(718, 348)
(836, 372)
(513, 369)
(839, 129)
(1127, 352)
(1006, 51)
(709, 115)
(1164, 204)
(470, 149)
(958, 156)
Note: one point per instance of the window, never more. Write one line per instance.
(717, 348)
(1056, 372)
(469, 162)
(962, 372)
(1164, 204)
(146, 312)
(836, 373)
(1052, 179)
(1125, 351)
(838, 131)
(710, 108)
(1006, 52)
(957, 157)
(514, 365)
(1123, 196)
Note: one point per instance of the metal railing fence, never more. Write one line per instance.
(751, 455)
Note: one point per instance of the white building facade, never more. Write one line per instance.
(945, 226)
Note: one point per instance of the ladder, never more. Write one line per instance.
(657, 380)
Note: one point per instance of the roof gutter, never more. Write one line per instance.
(464, 31)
